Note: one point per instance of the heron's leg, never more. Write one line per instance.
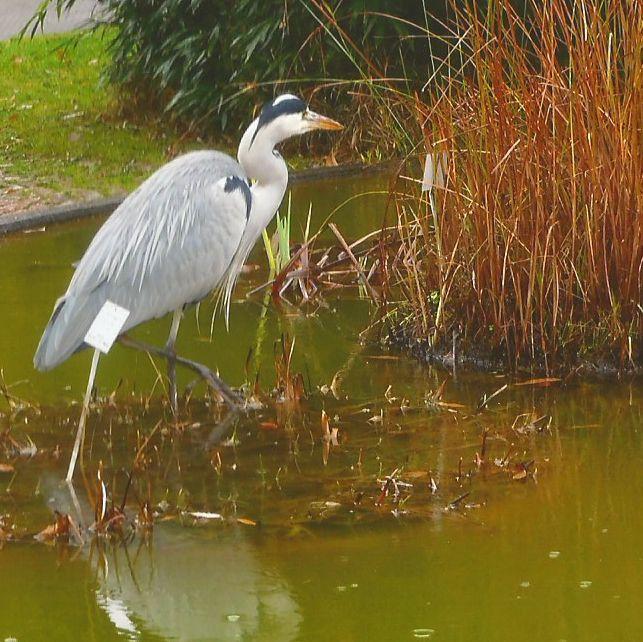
(171, 359)
(80, 435)
(229, 396)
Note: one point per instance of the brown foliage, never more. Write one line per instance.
(533, 246)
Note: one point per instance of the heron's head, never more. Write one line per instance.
(284, 117)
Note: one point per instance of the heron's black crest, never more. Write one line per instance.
(271, 111)
(236, 182)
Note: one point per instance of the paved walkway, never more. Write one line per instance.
(15, 13)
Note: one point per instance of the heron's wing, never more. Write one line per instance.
(169, 243)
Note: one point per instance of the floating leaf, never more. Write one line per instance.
(544, 381)
(203, 515)
(415, 474)
(60, 529)
(325, 425)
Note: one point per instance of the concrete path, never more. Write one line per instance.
(15, 13)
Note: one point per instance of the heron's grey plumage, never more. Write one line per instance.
(169, 243)
(184, 232)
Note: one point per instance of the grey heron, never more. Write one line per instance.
(184, 232)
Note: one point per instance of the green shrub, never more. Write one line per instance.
(199, 59)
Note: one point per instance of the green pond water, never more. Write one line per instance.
(544, 545)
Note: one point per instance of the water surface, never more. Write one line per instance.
(308, 547)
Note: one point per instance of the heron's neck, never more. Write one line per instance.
(258, 157)
(268, 171)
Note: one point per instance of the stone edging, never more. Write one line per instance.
(21, 221)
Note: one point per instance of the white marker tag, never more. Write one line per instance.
(434, 169)
(106, 326)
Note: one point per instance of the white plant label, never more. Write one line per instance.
(434, 169)
(106, 326)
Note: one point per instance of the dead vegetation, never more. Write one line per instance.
(529, 246)
(311, 272)
(525, 251)
(348, 455)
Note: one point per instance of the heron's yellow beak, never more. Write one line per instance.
(317, 121)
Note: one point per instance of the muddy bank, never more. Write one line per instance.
(30, 219)
(477, 358)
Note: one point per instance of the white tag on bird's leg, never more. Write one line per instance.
(106, 326)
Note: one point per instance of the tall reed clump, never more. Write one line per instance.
(532, 249)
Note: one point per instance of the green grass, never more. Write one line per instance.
(60, 129)
(67, 135)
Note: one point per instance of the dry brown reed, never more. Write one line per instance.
(533, 248)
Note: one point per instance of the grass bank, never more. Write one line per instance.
(61, 136)
(66, 135)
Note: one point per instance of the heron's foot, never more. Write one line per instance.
(232, 399)
(229, 396)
